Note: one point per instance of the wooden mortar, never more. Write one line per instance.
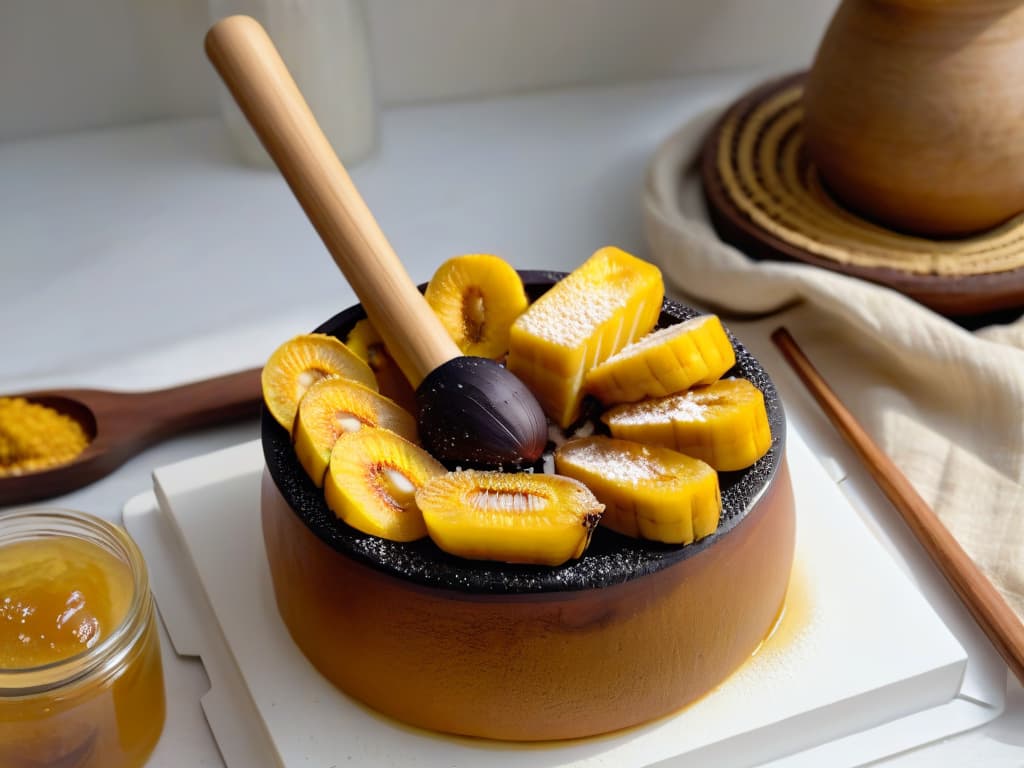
(632, 631)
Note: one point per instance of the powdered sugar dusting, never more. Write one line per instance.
(658, 337)
(685, 406)
(568, 314)
(613, 465)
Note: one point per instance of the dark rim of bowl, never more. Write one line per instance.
(610, 559)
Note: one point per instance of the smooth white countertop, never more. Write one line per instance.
(145, 256)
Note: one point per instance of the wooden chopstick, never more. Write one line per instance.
(990, 610)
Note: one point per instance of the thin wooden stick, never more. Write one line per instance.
(990, 610)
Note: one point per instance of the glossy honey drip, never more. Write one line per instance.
(61, 599)
(58, 598)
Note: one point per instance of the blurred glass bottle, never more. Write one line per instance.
(325, 44)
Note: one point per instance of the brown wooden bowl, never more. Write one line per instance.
(630, 632)
(970, 299)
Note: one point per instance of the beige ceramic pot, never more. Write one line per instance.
(915, 112)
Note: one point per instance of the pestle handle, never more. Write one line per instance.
(252, 69)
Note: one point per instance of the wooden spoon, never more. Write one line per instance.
(471, 410)
(120, 424)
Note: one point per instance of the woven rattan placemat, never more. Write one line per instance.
(764, 191)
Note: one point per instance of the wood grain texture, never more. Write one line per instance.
(995, 617)
(121, 424)
(253, 71)
(913, 112)
(533, 667)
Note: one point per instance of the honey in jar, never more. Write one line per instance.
(81, 680)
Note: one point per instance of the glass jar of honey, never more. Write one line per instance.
(81, 678)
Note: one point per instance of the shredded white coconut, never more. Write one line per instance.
(586, 429)
(556, 436)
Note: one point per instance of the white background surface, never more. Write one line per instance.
(144, 257)
(70, 65)
(790, 697)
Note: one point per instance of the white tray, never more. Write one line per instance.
(865, 668)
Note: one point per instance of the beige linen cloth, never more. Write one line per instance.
(946, 404)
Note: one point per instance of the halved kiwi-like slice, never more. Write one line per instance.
(512, 518)
(372, 480)
(299, 363)
(334, 406)
(477, 297)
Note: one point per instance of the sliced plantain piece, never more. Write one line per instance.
(477, 297)
(299, 363)
(609, 301)
(512, 518)
(673, 359)
(368, 345)
(371, 483)
(724, 424)
(334, 406)
(649, 492)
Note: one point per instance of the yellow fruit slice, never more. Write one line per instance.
(372, 480)
(672, 359)
(364, 341)
(724, 424)
(477, 297)
(367, 344)
(649, 492)
(609, 301)
(299, 363)
(512, 518)
(333, 406)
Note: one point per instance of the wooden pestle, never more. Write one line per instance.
(469, 408)
(253, 71)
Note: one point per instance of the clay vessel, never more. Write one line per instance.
(915, 112)
(632, 631)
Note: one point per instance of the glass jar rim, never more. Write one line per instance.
(32, 524)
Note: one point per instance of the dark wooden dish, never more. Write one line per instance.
(121, 424)
(971, 299)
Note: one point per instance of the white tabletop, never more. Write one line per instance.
(145, 256)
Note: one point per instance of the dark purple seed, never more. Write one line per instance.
(472, 410)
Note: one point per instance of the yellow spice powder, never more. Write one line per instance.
(34, 437)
